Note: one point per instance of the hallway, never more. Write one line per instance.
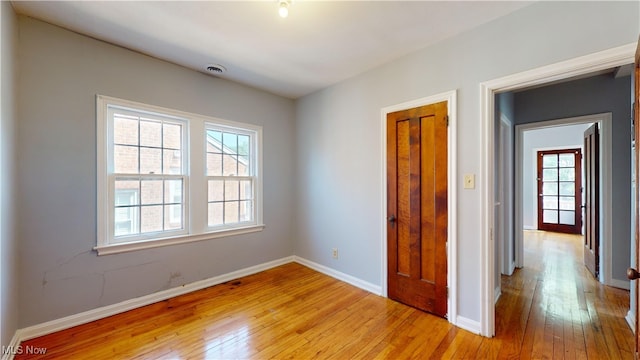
(554, 308)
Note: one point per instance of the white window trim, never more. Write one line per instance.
(196, 223)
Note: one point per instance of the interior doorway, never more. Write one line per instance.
(597, 62)
(565, 133)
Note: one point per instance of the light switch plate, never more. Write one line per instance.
(469, 181)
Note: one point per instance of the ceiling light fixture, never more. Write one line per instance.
(283, 8)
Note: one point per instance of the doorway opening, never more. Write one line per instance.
(562, 133)
(581, 66)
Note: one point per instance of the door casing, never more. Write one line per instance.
(451, 98)
(591, 63)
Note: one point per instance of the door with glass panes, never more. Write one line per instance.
(559, 191)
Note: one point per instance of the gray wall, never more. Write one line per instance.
(594, 95)
(339, 162)
(8, 118)
(60, 74)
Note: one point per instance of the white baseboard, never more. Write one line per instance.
(621, 284)
(631, 320)
(372, 288)
(468, 324)
(109, 310)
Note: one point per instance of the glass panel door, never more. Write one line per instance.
(559, 190)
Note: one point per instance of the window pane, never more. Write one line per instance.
(173, 191)
(230, 212)
(246, 190)
(151, 218)
(126, 221)
(243, 145)
(231, 190)
(246, 211)
(151, 192)
(125, 131)
(550, 175)
(550, 188)
(125, 159)
(171, 162)
(567, 203)
(215, 214)
(550, 216)
(550, 202)
(214, 164)
(567, 218)
(150, 161)
(214, 141)
(567, 174)
(150, 133)
(171, 136)
(216, 190)
(550, 161)
(230, 165)
(230, 143)
(126, 192)
(243, 166)
(567, 160)
(567, 188)
(172, 217)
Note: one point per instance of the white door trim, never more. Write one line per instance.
(451, 98)
(562, 70)
(506, 184)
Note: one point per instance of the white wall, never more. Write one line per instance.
(339, 166)
(8, 118)
(60, 74)
(564, 137)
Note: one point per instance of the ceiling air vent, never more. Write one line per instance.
(215, 69)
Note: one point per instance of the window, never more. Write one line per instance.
(230, 177)
(159, 184)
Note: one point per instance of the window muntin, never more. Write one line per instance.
(230, 170)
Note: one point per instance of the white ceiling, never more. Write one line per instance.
(319, 44)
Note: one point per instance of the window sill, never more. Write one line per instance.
(150, 244)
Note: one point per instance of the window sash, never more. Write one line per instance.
(138, 234)
(220, 220)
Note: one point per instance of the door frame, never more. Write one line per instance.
(506, 184)
(451, 98)
(605, 123)
(582, 65)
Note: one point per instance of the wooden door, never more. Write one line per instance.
(559, 191)
(591, 200)
(417, 207)
(632, 273)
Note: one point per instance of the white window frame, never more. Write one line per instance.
(195, 227)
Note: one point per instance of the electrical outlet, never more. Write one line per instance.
(334, 253)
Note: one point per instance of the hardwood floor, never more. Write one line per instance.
(551, 308)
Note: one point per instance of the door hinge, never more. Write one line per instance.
(446, 118)
(447, 292)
